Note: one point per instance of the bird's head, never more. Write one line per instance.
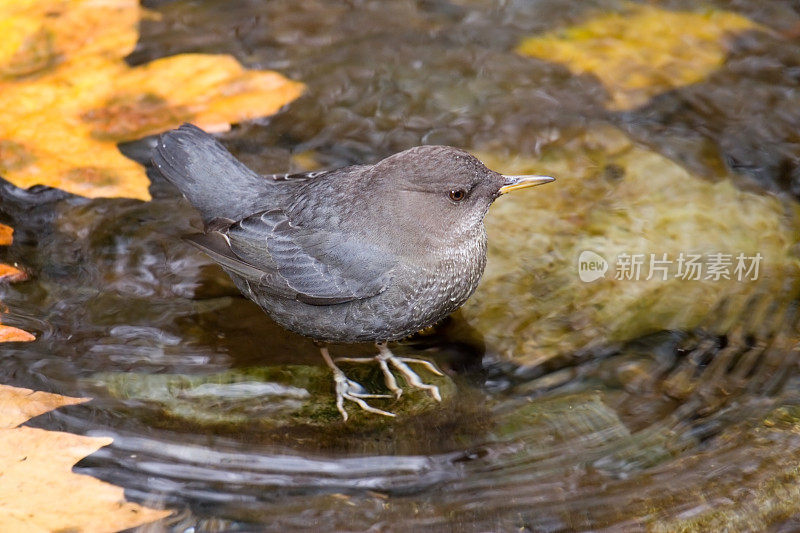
(439, 192)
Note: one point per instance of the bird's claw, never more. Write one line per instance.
(412, 377)
(386, 357)
(347, 389)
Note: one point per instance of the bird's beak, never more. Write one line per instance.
(512, 183)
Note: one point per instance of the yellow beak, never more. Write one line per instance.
(512, 183)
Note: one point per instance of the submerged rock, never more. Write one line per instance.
(264, 398)
(616, 200)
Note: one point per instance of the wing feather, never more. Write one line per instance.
(315, 266)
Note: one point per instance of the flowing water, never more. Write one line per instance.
(666, 409)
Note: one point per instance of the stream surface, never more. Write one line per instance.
(226, 418)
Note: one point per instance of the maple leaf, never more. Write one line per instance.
(69, 97)
(11, 274)
(12, 334)
(38, 490)
(6, 235)
(643, 51)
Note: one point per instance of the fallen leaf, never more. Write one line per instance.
(19, 405)
(69, 97)
(38, 490)
(12, 334)
(9, 273)
(6, 234)
(642, 51)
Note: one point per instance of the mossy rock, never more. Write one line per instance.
(613, 197)
(269, 397)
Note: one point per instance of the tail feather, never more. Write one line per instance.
(213, 181)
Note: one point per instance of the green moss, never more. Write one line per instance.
(267, 396)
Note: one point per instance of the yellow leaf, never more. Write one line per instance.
(69, 97)
(38, 490)
(643, 51)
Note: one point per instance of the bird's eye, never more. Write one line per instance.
(457, 195)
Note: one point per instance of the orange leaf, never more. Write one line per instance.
(11, 334)
(11, 274)
(6, 235)
(19, 405)
(69, 97)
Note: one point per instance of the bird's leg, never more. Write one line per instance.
(347, 389)
(385, 357)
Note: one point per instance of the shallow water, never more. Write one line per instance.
(226, 418)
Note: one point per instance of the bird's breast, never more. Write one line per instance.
(424, 290)
(434, 288)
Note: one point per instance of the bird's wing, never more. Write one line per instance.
(319, 267)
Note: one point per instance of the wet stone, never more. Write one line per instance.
(532, 304)
(266, 397)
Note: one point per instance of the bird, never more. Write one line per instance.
(365, 253)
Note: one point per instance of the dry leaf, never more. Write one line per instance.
(19, 405)
(643, 51)
(69, 97)
(38, 490)
(6, 234)
(11, 274)
(11, 334)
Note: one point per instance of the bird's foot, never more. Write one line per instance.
(347, 389)
(385, 357)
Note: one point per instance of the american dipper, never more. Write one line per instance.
(361, 253)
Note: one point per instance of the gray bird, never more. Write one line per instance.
(363, 253)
